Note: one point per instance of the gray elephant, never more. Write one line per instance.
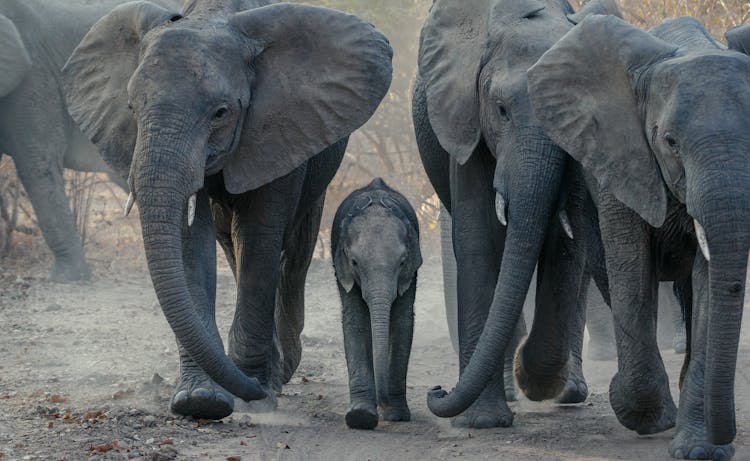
(659, 120)
(512, 194)
(376, 255)
(35, 129)
(229, 120)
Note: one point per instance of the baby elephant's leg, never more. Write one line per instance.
(362, 413)
(401, 332)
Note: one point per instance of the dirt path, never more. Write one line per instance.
(86, 372)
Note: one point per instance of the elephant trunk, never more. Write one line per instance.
(380, 321)
(532, 200)
(728, 240)
(165, 171)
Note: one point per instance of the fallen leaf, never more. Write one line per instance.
(243, 443)
(166, 442)
(94, 415)
(283, 445)
(50, 425)
(57, 399)
(234, 458)
(305, 380)
(104, 448)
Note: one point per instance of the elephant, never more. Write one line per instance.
(229, 120)
(35, 129)
(514, 197)
(659, 123)
(376, 256)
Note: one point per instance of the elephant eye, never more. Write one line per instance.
(670, 140)
(503, 111)
(220, 113)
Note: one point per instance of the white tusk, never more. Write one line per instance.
(129, 204)
(191, 210)
(500, 209)
(563, 217)
(700, 233)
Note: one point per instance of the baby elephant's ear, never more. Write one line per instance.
(738, 38)
(414, 261)
(343, 269)
(319, 75)
(14, 60)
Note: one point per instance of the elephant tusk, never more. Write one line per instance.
(191, 210)
(563, 217)
(700, 233)
(500, 209)
(129, 204)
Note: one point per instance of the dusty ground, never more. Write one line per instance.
(86, 371)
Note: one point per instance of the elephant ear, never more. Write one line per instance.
(609, 7)
(319, 75)
(452, 43)
(407, 276)
(738, 38)
(343, 269)
(14, 60)
(96, 76)
(582, 91)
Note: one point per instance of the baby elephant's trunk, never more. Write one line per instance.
(380, 320)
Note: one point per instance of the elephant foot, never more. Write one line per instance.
(396, 411)
(644, 419)
(538, 387)
(576, 390)
(509, 382)
(199, 397)
(693, 445)
(69, 270)
(488, 411)
(362, 415)
(601, 352)
(679, 342)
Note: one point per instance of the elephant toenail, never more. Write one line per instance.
(221, 397)
(201, 393)
(698, 453)
(181, 396)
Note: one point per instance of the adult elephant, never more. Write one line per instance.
(229, 120)
(501, 179)
(659, 120)
(35, 129)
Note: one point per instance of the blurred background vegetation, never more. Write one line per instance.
(384, 147)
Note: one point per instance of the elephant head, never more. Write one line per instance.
(378, 250)
(251, 95)
(647, 118)
(474, 56)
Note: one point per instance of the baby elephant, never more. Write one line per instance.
(375, 248)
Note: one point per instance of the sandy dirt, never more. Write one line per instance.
(86, 372)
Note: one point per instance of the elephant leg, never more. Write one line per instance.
(290, 299)
(683, 292)
(41, 173)
(355, 316)
(639, 391)
(576, 390)
(478, 244)
(259, 223)
(672, 310)
(196, 394)
(449, 275)
(690, 440)
(509, 360)
(599, 326)
(401, 333)
(542, 362)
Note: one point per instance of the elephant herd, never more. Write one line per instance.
(570, 145)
